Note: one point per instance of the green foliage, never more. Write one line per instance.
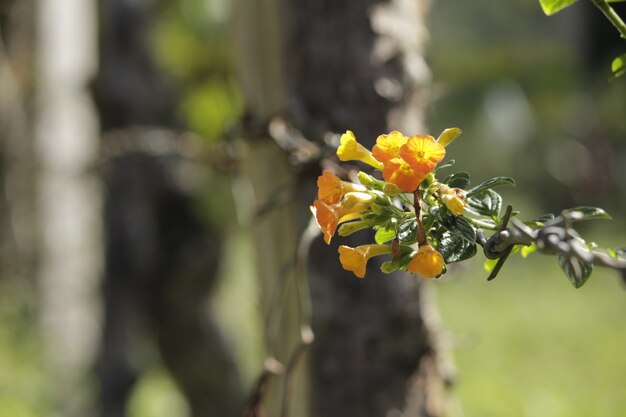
(551, 7)
(618, 66)
(492, 183)
(439, 223)
(577, 272)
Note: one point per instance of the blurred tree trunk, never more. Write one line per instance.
(68, 203)
(161, 259)
(339, 65)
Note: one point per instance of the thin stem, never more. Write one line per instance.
(613, 17)
(421, 232)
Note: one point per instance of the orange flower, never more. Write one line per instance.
(399, 173)
(422, 153)
(351, 150)
(427, 262)
(331, 189)
(355, 259)
(388, 146)
(328, 216)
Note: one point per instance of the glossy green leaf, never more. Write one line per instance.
(550, 7)
(587, 213)
(487, 203)
(446, 164)
(407, 231)
(492, 183)
(577, 272)
(618, 66)
(459, 226)
(459, 180)
(454, 248)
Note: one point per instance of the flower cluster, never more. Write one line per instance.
(422, 223)
(393, 206)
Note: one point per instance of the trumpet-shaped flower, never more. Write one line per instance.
(351, 150)
(355, 259)
(427, 262)
(453, 198)
(388, 146)
(328, 216)
(331, 189)
(422, 153)
(402, 175)
(454, 203)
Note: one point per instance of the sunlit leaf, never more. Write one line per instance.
(459, 180)
(577, 271)
(407, 231)
(384, 235)
(618, 66)
(487, 203)
(586, 213)
(489, 264)
(445, 164)
(550, 7)
(492, 183)
(527, 250)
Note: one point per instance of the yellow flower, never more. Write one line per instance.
(355, 259)
(331, 189)
(454, 199)
(402, 175)
(422, 153)
(454, 203)
(351, 150)
(388, 146)
(328, 216)
(427, 262)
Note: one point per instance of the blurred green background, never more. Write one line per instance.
(532, 90)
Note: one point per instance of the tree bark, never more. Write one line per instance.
(161, 259)
(349, 65)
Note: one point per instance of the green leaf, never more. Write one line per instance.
(400, 263)
(550, 7)
(489, 264)
(527, 250)
(587, 213)
(384, 235)
(492, 183)
(577, 271)
(540, 220)
(454, 248)
(407, 231)
(487, 203)
(445, 165)
(459, 226)
(618, 66)
(459, 180)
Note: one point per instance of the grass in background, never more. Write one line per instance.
(529, 344)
